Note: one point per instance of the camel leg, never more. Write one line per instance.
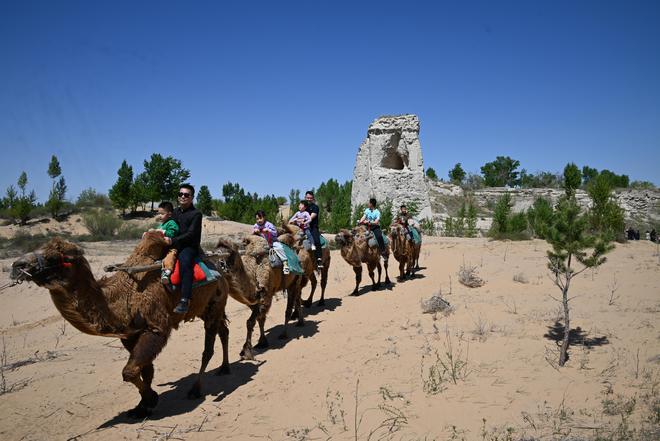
(210, 331)
(140, 363)
(402, 264)
(324, 282)
(298, 306)
(375, 285)
(261, 319)
(223, 333)
(313, 282)
(358, 278)
(246, 353)
(387, 276)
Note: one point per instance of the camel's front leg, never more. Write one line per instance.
(324, 282)
(358, 279)
(370, 268)
(144, 350)
(265, 305)
(246, 352)
(387, 276)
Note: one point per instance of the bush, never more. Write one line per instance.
(90, 198)
(539, 217)
(606, 217)
(427, 226)
(501, 214)
(102, 224)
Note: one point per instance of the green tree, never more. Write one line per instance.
(473, 182)
(24, 203)
(163, 177)
(294, 199)
(204, 200)
(120, 193)
(10, 197)
(54, 169)
(606, 217)
(501, 172)
(457, 174)
(471, 220)
(539, 217)
(501, 214)
(138, 194)
(90, 198)
(572, 178)
(642, 185)
(588, 174)
(571, 242)
(56, 197)
(431, 174)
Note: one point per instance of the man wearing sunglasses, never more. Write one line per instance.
(187, 242)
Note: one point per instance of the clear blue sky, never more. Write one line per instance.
(279, 95)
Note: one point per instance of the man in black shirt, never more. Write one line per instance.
(313, 211)
(187, 242)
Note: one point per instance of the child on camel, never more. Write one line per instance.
(302, 219)
(170, 229)
(268, 231)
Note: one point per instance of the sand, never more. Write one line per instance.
(362, 359)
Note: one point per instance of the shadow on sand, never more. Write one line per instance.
(330, 305)
(175, 402)
(575, 337)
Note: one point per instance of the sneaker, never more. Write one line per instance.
(313, 247)
(182, 307)
(285, 268)
(319, 264)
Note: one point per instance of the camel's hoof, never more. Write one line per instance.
(300, 324)
(262, 344)
(375, 287)
(138, 412)
(354, 293)
(246, 354)
(321, 303)
(294, 315)
(223, 370)
(195, 392)
(307, 303)
(149, 399)
(388, 282)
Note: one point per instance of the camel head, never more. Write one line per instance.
(152, 245)
(54, 264)
(344, 238)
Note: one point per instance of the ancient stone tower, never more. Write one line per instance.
(389, 165)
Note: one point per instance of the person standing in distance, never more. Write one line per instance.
(313, 211)
(187, 242)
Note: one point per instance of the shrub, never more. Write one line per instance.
(539, 217)
(90, 198)
(427, 226)
(101, 224)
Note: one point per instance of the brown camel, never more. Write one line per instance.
(135, 308)
(308, 263)
(405, 251)
(355, 250)
(267, 281)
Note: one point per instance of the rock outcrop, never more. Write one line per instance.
(389, 165)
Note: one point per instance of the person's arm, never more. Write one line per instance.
(171, 229)
(270, 228)
(187, 239)
(293, 219)
(377, 220)
(307, 220)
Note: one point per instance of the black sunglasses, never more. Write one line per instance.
(184, 195)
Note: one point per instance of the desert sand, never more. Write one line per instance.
(359, 368)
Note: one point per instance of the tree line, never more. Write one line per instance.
(504, 172)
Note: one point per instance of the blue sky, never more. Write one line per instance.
(279, 95)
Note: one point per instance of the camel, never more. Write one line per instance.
(308, 263)
(135, 308)
(355, 250)
(267, 281)
(405, 251)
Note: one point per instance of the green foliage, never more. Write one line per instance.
(294, 198)
(22, 182)
(358, 211)
(54, 169)
(471, 220)
(101, 224)
(539, 217)
(427, 226)
(386, 215)
(240, 206)
(501, 214)
(413, 208)
(22, 205)
(120, 193)
(508, 225)
(334, 201)
(588, 174)
(500, 172)
(642, 185)
(613, 180)
(606, 217)
(55, 201)
(431, 174)
(163, 177)
(89, 198)
(457, 174)
(473, 182)
(139, 192)
(572, 178)
(540, 180)
(465, 222)
(204, 200)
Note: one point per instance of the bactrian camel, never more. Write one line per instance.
(355, 250)
(308, 263)
(134, 308)
(405, 251)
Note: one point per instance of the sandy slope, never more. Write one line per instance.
(379, 345)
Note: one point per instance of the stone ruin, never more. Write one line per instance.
(389, 165)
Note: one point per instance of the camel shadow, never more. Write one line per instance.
(367, 288)
(576, 336)
(330, 305)
(175, 401)
(294, 332)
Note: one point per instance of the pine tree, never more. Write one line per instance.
(204, 200)
(120, 193)
(58, 189)
(457, 174)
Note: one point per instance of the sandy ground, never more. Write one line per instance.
(360, 367)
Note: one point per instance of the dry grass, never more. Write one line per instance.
(436, 304)
(520, 278)
(467, 275)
